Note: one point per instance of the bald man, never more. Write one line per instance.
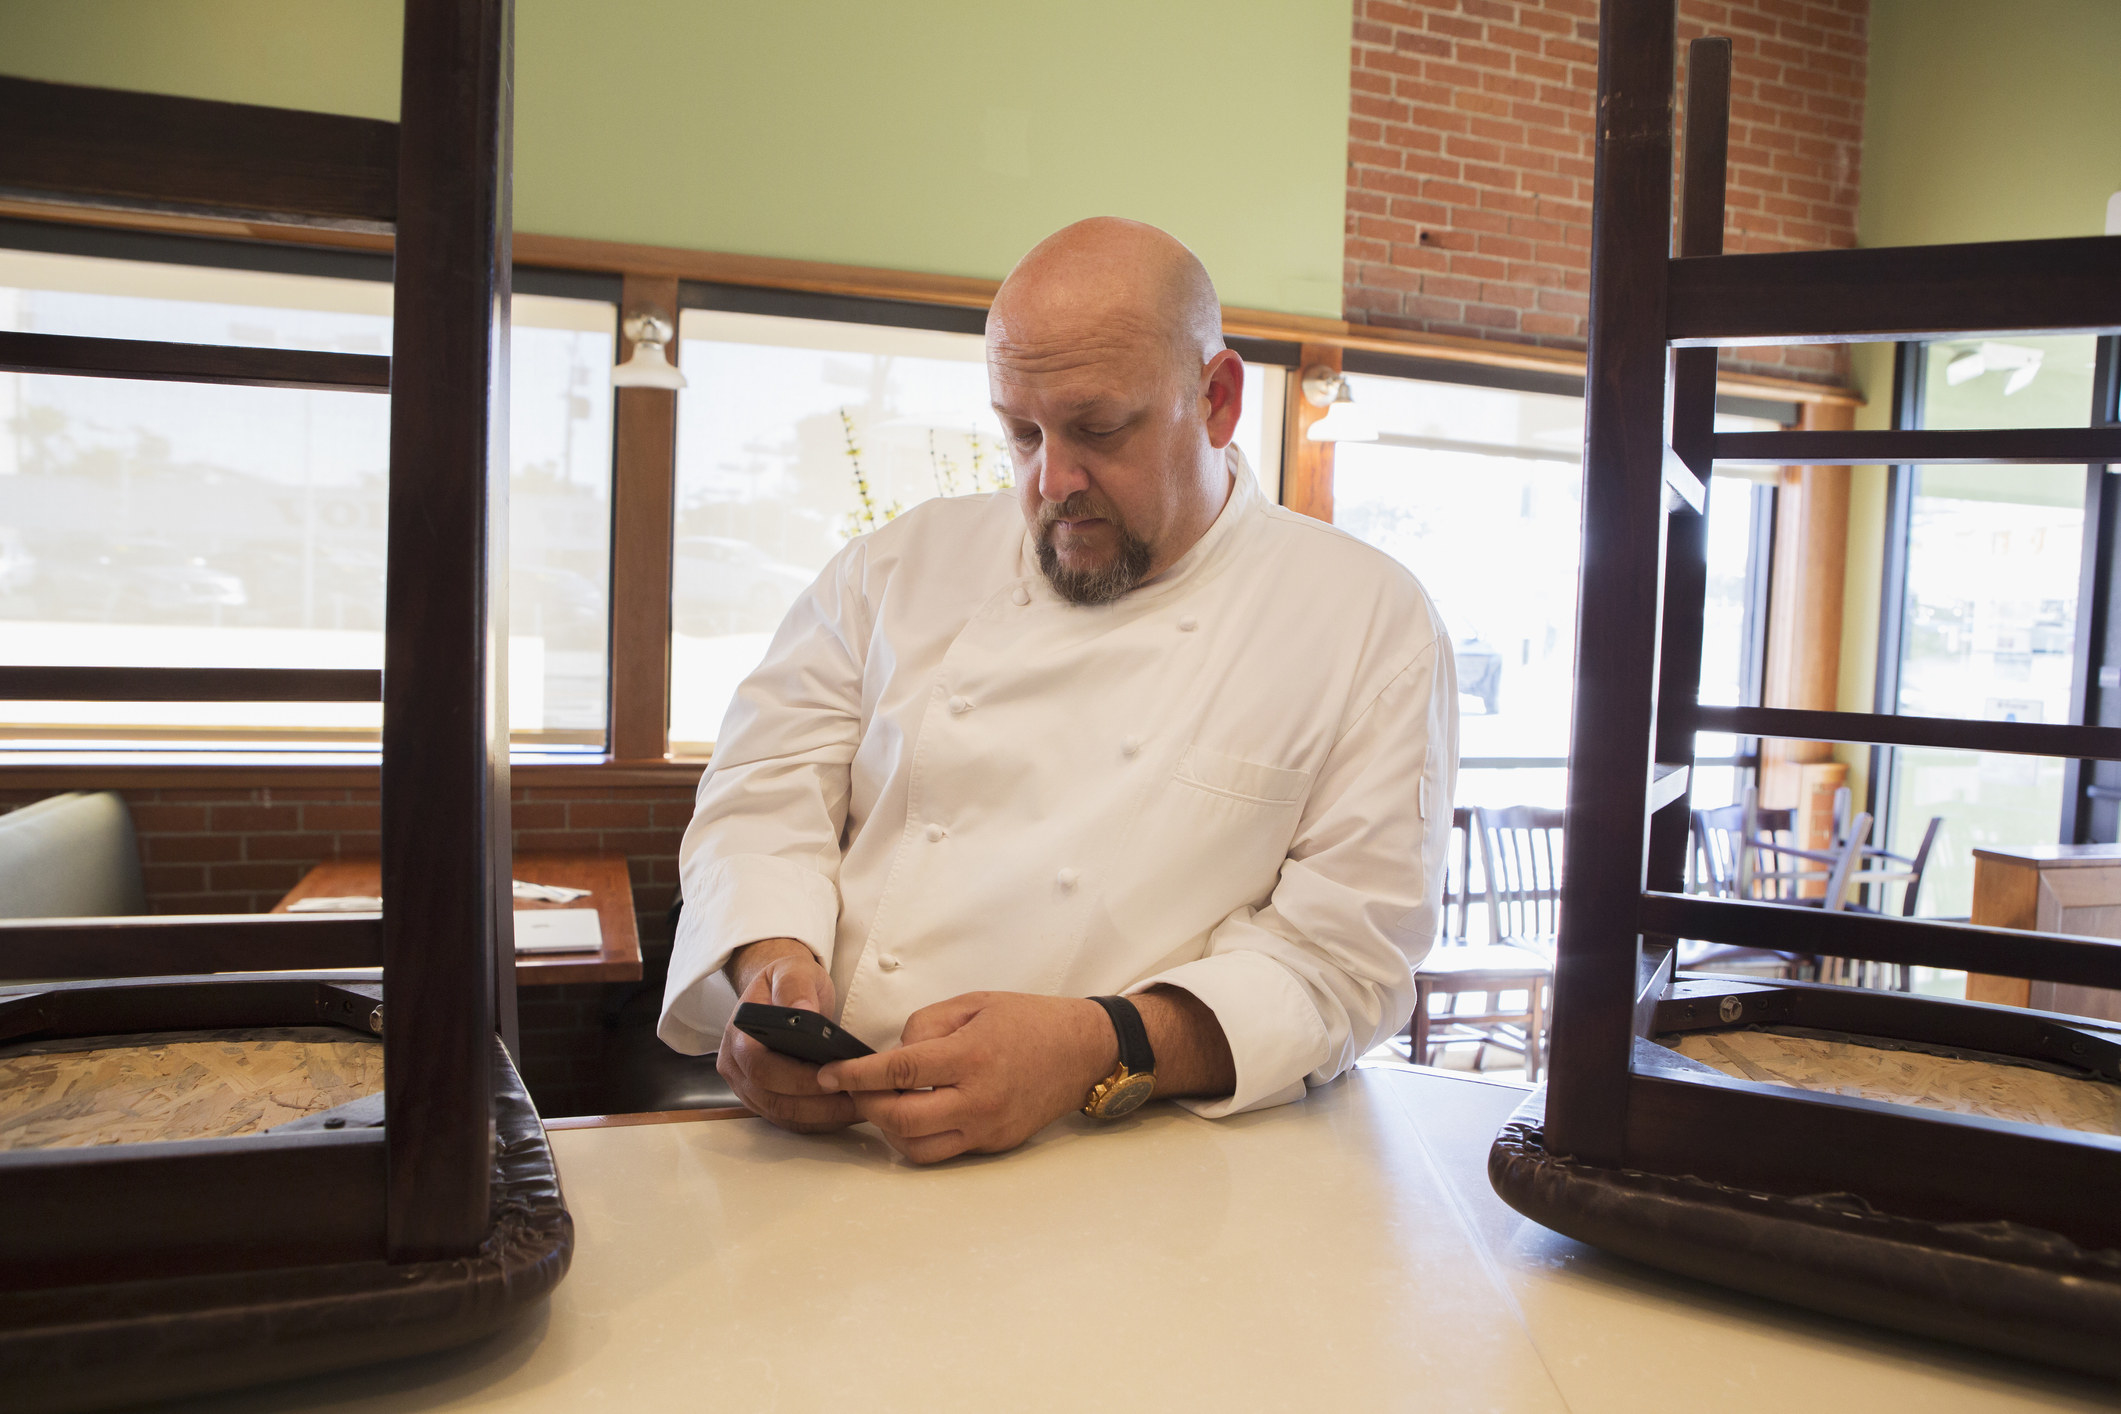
(1136, 788)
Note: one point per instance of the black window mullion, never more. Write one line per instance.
(2091, 790)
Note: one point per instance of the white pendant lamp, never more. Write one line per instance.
(1344, 421)
(646, 366)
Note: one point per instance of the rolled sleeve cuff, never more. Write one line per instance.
(735, 901)
(1273, 1029)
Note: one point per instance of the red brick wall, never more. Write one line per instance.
(1470, 157)
(238, 849)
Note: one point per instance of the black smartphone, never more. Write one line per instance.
(806, 1035)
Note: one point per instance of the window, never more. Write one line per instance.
(1734, 626)
(1989, 572)
(153, 524)
(1478, 490)
(796, 434)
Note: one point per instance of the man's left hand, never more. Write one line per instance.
(980, 1073)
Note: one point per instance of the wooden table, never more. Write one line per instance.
(604, 875)
(2050, 888)
(1340, 1254)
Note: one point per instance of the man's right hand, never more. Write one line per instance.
(780, 1088)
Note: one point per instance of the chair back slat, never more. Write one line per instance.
(1458, 878)
(1520, 849)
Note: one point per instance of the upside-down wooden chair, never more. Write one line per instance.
(131, 1271)
(1977, 1228)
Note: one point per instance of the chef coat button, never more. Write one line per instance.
(960, 704)
(935, 833)
(889, 962)
(1067, 878)
(1131, 745)
(1020, 595)
(1188, 624)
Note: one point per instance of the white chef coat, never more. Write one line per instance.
(945, 778)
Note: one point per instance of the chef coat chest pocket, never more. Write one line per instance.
(1237, 779)
(1211, 837)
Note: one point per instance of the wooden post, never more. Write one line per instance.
(1804, 625)
(1307, 466)
(447, 916)
(1618, 614)
(644, 488)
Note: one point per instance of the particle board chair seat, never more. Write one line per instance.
(71, 856)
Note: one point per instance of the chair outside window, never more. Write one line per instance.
(1520, 852)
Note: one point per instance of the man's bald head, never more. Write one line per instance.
(1106, 363)
(1102, 280)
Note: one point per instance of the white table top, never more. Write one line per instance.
(1344, 1253)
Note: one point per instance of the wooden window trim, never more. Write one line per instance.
(643, 492)
(1307, 466)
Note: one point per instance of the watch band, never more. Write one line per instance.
(1135, 1052)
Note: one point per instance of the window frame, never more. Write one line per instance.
(327, 262)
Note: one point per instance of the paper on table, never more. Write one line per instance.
(558, 930)
(546, 893)
(523, 890)
(346, 903)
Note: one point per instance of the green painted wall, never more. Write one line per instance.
(932, 135)
(1987, 122)
(1982, 122)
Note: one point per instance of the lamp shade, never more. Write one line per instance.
(647, 367)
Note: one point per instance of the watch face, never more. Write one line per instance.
(1126, 1096)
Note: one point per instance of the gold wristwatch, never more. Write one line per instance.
(1129, 1086)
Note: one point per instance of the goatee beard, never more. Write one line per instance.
(1107, 582)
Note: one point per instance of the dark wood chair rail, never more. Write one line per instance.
(112, 147)
(1878, 937)
(192, 1206)
(2030, 446)
(1880, 729)
(1937, 1165)
(194, 363)
(46, 949)
(95, 684)
(2070, 286)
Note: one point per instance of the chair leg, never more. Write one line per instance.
(1535, 1029)
(1418, 1027)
